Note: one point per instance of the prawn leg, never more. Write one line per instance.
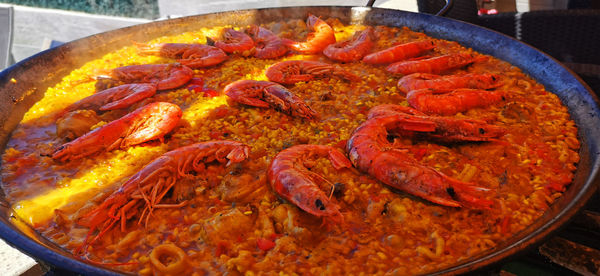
(145, 190)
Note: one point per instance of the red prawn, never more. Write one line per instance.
(292, 71)
(434, 65)
(146, 123)
(145, 190)
(236, 42)
(370, 151)
(353, 49)
(444, 102)
(290, 179)
(267, 44)
(267, 94)
(191, 55)
(316, 41)
(399, 52)
(165, 76)
(121, 96)
(423, 80)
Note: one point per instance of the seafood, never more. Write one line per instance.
(267, 44)
(392, 109)
(444, 102)
(236, 42)
(146, 123)
(121, 96)
(434, 65)
(399, 52)
(292, 71)
(423, 80)
(447, 129)
(76, 123)
(165, 76)
(190, 55)
(267, 94)
(147, 188)
(370, 151)
(353, 49)
(289, 178)
(316, 41)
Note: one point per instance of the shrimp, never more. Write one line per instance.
(145, 190)
(292, 71)
(236, 42)
(370, 151)
(267, 94)
(399, 52)
(423, 80)
(121, 96)
(351, 50)
(434, 65)
(290, 179)
(165, 76)
(316, 41)
(146, 123)
(191, 55)
(268, 45)
(444, 102)
(447, 129)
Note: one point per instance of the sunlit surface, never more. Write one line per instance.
(40, 209)
(199, 110)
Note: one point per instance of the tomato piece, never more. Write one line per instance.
(419, 153)
(210, 92)
(265, 244)
(195, 88)
(341, 144)
(505, 225)
(196, 81)
(221, 112)
(215, 134)
(222, 248)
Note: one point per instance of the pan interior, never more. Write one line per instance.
(24, 83)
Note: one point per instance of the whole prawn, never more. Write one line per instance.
(443, 129)
(191, 55)
(418, 81)
(353, 49)
(145, 190)
(293, 71)
(236, 42)
(121, 96)
(434, 65)
(370, 151)
(267, 94)
(444, 102)
(146, 123)
(267, 44)
(165, 76)
(290, 179)
(316, 41)
(399, 52)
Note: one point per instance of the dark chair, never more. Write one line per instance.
(6, 35)
(570, 36)
(464, 10)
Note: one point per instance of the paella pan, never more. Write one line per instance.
(242, 213)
